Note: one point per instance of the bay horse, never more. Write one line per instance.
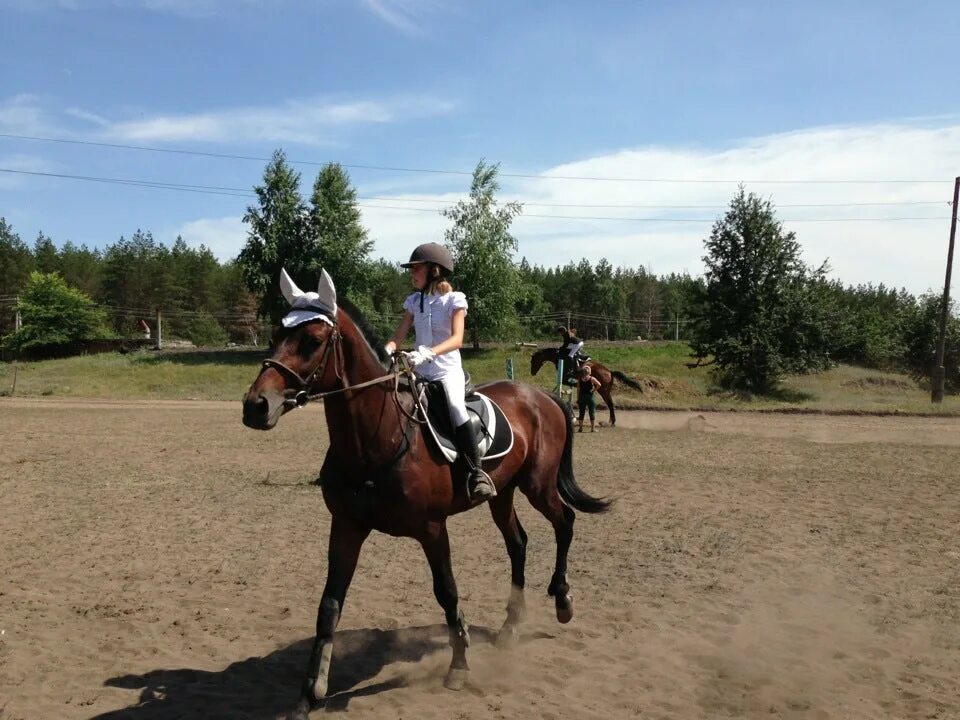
(601, 372)
(381, 472)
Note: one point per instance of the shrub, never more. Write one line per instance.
(203, 329)
(921, 338)
(53, 313)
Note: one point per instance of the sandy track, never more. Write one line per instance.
(161, 561)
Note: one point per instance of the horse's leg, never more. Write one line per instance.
(559, 590)
(505, 516)
(346, 539)
(548, 502)
(608, 399)
(436, 546)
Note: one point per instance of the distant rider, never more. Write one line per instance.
(570, 352)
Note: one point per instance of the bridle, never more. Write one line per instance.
(302, 394)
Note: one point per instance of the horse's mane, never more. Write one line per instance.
(366, 329)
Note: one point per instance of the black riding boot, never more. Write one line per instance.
(479, 484)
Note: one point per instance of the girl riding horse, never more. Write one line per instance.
(382, 470)
(438, 314)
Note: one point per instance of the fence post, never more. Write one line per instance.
(17, 321)
(560, 377)
(509, 368)
(159, 330)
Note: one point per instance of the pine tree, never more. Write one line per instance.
(45, 256)
(16, 263)
(81, 268)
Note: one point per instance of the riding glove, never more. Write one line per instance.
(421, 355)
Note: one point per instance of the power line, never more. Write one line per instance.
(531, 203)
(212, 190)
(528, 176)
(243, 192)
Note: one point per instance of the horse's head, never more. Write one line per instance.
(539, 358)
(304, 358)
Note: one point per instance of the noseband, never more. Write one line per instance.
(303, 396)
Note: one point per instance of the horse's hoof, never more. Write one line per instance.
(300, 712)
(456, 678)
(319, 689)
(508, 637)
(565, 609)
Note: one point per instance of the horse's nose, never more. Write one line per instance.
(256, 409)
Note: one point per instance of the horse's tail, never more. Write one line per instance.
(571, 493)
(627, 380)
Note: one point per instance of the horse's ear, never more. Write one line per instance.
(288, 287)
(327, 292)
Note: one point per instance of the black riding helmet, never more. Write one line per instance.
(431, 253)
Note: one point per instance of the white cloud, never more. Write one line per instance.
(24, 115)
(897, 253)
(908, 253)
(186, 8)
(314, 121)
(224, 236)
(297, 121)
(396, 232)
(401, 14)
(87, 117)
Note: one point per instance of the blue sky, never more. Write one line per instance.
(690, 97)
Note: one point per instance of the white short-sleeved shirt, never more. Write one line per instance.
(433, 326)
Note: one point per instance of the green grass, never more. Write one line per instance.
(214, 375)
(659, 367)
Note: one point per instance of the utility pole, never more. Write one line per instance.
(159, 345)
(939, 372)
(17, 321)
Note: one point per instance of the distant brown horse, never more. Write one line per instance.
(601, 372)
(381, 472)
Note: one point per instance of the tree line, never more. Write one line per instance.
(757, 312)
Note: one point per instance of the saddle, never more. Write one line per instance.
(493, 429)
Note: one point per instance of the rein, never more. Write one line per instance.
(303, 396)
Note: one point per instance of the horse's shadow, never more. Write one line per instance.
(268, 687)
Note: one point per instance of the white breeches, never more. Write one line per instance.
(574, 349)
(453, 381)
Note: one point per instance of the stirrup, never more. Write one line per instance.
(480, 487)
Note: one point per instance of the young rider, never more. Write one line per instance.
(569, 351)
(437, 313)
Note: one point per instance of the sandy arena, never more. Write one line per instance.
(161, 561)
